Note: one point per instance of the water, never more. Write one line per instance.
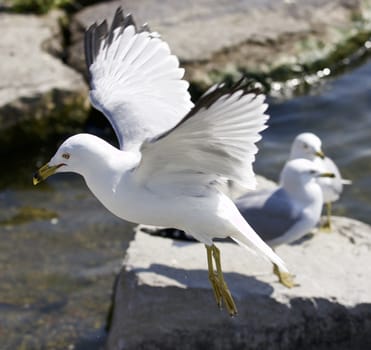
(59, 254)
(339, 112)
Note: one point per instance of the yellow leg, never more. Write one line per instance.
(284, 278)
(213, 278)
(220, 288)
(326, 227)
(228, 299)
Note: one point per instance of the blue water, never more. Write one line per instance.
(339, 112)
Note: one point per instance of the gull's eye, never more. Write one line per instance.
(305, 146)
(312, 172)
(66, 155)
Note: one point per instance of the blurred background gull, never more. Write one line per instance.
(309, 146)
(285, 214)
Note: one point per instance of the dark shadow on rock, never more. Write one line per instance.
(303, 239)
(264, 323)
(324, 324)
(178, 236)
(94, 341)
(240, 285)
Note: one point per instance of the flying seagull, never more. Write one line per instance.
(285, 214)
(309, 146)
(174, 158)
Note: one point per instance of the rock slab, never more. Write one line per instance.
(221, 37)
(163, 299)
(35, 84)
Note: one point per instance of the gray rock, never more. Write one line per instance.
(163, 299)
(220, 37)
(36, 85)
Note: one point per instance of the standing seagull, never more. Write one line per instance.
(309, 146)
(173, 157)
(287, 213)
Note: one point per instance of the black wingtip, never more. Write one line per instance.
(96, 34)
(248, 86)
(245, 84)
(129, 21)
(118, 21)
(92, 40)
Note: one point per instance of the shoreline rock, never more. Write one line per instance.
(218, 39)
(39, 95)
(163, 299)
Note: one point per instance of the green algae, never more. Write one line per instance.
(27, 214)
(313, 65)
(293, 63)
(344, 54)
(44, 118)
(45, 123)
(38, 6)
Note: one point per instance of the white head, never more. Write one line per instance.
(298, 174)
(306, 145)
(77, 154)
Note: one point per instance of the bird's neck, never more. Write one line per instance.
(103, 177)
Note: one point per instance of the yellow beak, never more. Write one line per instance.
(320, 154)
(327, 175)
(44, 172)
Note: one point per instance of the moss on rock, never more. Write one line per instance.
(44, 118)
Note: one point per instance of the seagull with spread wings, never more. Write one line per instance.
(174, 158)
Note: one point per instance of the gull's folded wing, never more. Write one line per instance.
(270, 213)
(215, 140)
(135, 81)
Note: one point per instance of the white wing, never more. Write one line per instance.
(135, 81)
(215, 141)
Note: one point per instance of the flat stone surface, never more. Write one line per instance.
(163, 299)
(34, 83)
(212, 37)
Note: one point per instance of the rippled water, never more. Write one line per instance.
(339, 112)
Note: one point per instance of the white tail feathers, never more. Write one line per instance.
(248, 238)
